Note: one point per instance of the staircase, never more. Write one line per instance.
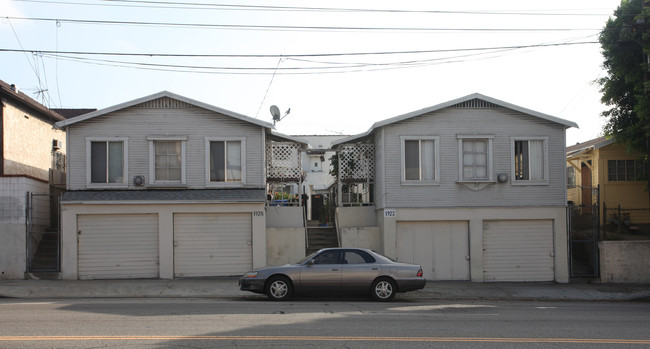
(46, 257)
(321, 237)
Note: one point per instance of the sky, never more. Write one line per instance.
(339, 66)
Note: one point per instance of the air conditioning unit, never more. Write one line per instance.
(56, 144)
(138, 181)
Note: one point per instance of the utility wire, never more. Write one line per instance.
(330, 54)
(201, 6)
(295, 28)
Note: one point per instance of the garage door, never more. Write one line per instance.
(213, 244)
(518, 250)
(118, 246)
(442, 248)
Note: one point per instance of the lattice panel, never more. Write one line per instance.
(357, 162)
(283, 161)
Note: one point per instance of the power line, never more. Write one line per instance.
(201, 6)
(294, 28)
(331, 54)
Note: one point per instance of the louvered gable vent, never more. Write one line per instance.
(165, 102)
(476, 103)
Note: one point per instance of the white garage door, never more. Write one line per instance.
(518, 250)
(442, 248)
(212, 244)
(118, 246)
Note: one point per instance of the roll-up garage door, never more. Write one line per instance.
(518, 250)
(212, 244)
(441, 248)
(118, 246)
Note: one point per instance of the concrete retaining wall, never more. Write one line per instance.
(284, 245)
(364, 237)
(624, 261)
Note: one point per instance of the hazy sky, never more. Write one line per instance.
(339, 65)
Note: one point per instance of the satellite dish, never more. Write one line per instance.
(275, 111)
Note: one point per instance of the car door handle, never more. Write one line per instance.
(375, 268)
(335, 270)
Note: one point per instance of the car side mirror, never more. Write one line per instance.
(310, 262)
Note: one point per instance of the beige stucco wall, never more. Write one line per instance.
(624, 261)
(284, 245)
(475, 217)
(28, 143)
(284, 217)
(363, 237)
(165, 212)
(357, 216)
(12, 250)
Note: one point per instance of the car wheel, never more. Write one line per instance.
(279, 288)
(383, 290)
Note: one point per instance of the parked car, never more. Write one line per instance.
(350, 270)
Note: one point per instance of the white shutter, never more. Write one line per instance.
(518, 250)
(118, 246)
(212, 244)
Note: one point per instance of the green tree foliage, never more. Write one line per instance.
(624, 42)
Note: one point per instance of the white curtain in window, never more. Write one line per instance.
(536, 158)
(428, 160)
(233, 161)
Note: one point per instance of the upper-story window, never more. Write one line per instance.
(530, 160)
(225, 160)
(167, 159)
(420, 159)
(475, 158)
(106, 162)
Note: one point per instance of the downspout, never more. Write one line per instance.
(2, 138)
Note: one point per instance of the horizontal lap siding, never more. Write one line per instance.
(500, 123)
(118, 246)
(139, 123)
(212, 244)
(518, 250)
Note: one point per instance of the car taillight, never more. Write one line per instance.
(420, 273)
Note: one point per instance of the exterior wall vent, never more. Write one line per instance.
(476, 104)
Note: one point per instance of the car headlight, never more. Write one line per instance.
(250, 274)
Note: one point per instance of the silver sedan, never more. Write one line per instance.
(352, 270)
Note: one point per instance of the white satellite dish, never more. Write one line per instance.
(275, 111)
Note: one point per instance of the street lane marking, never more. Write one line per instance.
(330, 339)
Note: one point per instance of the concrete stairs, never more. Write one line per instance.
(321, 237)
(46, 257)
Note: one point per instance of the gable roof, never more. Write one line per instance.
(440, 106)
(11, 92)
(158, 95)
(595, 143)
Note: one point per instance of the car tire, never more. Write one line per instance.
(383, 290)
(279, 288)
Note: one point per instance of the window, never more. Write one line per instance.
(106, 163)
(475, 158)
(625, 170)
(357, 257)
(225, 160)
(420, 159)
(529, 160)
(167, 159)
(570, 177)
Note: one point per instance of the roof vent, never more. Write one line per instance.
(14, 88)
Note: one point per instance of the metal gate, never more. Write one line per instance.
(584, 230)
(43, 232)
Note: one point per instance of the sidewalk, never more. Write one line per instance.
(227, 288)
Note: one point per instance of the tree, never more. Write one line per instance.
(626, 88)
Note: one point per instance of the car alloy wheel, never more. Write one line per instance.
(279, 289)
(383, 289)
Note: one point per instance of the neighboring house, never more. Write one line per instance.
(32, 159)
(603, 172)
(318, 182)
(471, 189)
(165, 186)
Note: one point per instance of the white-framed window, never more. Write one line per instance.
(420, 159)
(475, 158)
(529, 160)
(225, 161)
(107, 162)
(167, 159)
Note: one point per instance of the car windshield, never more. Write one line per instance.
(306, 258)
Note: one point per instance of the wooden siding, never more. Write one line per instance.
(138, 123)
(501, 124)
